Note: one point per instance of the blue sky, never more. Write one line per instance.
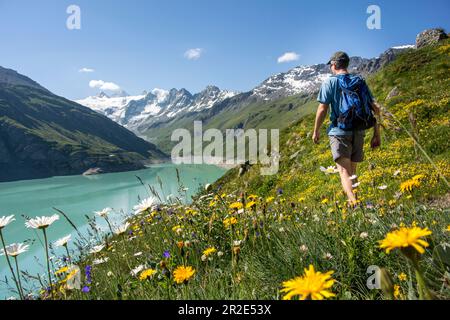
(140, 45)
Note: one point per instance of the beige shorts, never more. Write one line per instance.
(350, 147)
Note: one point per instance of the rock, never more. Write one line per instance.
(394, 93)
(92, 171)
(430, 37)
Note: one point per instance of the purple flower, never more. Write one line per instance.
(85, 289)
(166, 254)
(280, 191)
(88, 270)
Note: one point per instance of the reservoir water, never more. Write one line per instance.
(78, 196)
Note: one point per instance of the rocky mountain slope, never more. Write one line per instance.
(154, 106)
(42, 135)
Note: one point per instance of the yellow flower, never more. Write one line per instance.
(212, 203)
(209, 251)
(448, 228)
(404, 238)
(177, 229)
(147, 274)
(250, 205)
(324, 201)
(409, 185)
(62, 270)
(229, 222)
(236, 205)
(402, 277)
(312, 284)
(183, 274)
(191, 212)
(396, 291)
(269, 199)
(252, 197)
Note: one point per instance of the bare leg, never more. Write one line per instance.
(346, 170)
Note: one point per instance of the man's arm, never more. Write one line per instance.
(320, 118)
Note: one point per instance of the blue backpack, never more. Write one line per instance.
(355, 110)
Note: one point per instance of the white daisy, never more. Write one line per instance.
(363, 235)
(63, 241)
(144, 206)
(136, 270)
(97, 249)
(100, 261)
(15, 249)
(103, 213)
(383, 187)
(329, 170)
(41, 222)
(4, 221)
(122, 229)
(356, 185)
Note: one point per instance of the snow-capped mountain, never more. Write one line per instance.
(308, 79)
(300, 80)
(149, 112)
(158, 104)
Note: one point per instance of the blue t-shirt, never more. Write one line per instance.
(330, 94)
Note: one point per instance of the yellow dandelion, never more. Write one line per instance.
(250, 205)
(229, 222)
(236, 205)
(402, 277)
(396, 291)
(147, 274)
(177, 229)
(269, 199)
(209, 251)
(448, 228)
(191, 212)
(324, 201)
(418, 177)
(405, 238)
(252, 197)
(183, 274)
(312, 285)
(409, 185)
(62, 270)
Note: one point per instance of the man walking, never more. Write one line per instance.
(352, 110)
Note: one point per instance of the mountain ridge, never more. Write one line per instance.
(45, 135)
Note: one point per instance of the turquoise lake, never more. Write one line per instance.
(78, 196)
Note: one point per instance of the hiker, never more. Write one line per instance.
(352, 111)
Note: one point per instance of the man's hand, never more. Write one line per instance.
(316, 137)
(320, 117)
(376, 141)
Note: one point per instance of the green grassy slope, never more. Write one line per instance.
(420, 110)
(277, 114)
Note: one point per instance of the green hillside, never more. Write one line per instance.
(44, 135)
(419, 111)
(277, 114)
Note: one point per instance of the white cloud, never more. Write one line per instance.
(288, 57)
(86, 70)
(102, 85)
(193, 54)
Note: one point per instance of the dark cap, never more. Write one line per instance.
(339, 56)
